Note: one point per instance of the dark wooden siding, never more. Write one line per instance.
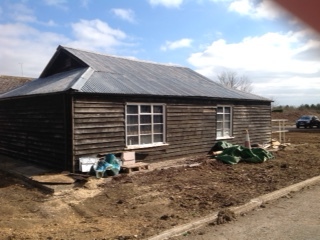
(99, 126)
(51, 131)
(256, 118)
(190, 129)
(34, 129)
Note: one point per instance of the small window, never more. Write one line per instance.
(145, 124)
(224, 122)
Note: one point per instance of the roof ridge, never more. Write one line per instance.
(122, 57)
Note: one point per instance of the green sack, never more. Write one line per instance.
(220, 145)
(236, 153)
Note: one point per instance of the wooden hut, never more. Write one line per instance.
(86, 103)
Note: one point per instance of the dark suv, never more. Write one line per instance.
(308, 121)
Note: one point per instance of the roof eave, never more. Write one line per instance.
(174, 96)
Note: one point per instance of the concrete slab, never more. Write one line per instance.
(36, 175)
(53, 179)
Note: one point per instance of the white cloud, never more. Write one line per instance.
(272, 51)
(50, 23)
(96, 35)
(26, 47)
(22, 45)
(273, 60)
(166, 3)
(62, 4)
(290, 90)
(21, 13)
(125, 14)
(85, 3)
(182, 43)
(256, 9)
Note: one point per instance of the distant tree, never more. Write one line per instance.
(274, 103)
(231, 79)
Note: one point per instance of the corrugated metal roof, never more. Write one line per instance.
(129, 76)
(117, 75)
(55, 83)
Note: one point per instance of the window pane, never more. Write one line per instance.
(132, 130)
(227, 132)
(132, 119)
(145, 139)
(132, 109)
(158, 128)
(145, 129)
(157, 119)
(224, 121)
(157, 109)
(133, 140)
(145, 109)
(145, 119)
(145, 124)
(219, 133)
(158, 138)
(220, 117)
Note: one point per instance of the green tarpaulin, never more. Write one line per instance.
(233, 154)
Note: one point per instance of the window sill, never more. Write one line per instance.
(145, 146)
(224, 138)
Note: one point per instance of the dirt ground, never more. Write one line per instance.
(143, 204)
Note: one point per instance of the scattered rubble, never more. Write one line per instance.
(143, 204)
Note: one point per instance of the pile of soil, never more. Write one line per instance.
(143, 204)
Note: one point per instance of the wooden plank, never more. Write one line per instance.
(95, 151)
(98, 130)
(196, 119)
(99, 135)
(191, 129)
(204, 125)
(98, 141)
(98, 105)
(98, 115)
(98, 120)
(99, 125)
(99, 145)
(211, 119)
(134, 167)
(98, 110)
(191, 138)
(196, 134)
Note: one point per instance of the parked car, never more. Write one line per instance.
(308, 121)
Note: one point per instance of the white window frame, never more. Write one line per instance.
(225, 133)
(139, 134)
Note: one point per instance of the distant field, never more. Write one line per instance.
(293, 115)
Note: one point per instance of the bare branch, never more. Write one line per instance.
(231, 79)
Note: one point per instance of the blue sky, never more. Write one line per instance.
(255, 38)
